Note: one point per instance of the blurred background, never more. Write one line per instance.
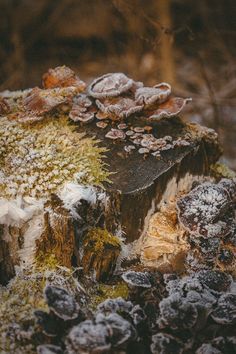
(188, 43)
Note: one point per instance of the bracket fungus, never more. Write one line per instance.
(177, 313)
(119, 107)
(62, 76)
(170, 108)
(61, 303)
(149, 96)
(110, 85)
(115, 134)
(137, 279)
(82, 109)
(225, 312)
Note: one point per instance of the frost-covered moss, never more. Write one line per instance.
(36, 160)
(98, 238)
(108, 291)
(220, 170)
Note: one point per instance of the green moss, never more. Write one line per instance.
(98, 238)
(46, 261)
(220, 170)
(36, 160)
(106, 291)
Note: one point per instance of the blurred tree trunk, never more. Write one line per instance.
(166, 64)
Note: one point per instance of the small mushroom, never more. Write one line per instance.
(115, 134)
(204, 205)
(110, 85)
(215, 280)
(101, 125)
(225, 312)
(61, 303)
(62, 76)
(82, 109)
(153, 95)
(156, 154)
(114, 306)
(147, 128)
(49, 349)
(143, 151)
(177, 313)
(168, 109)
(100, 115)
(122, 126)
(129, 148)
(129, 132)
(137, 141)
(137, 279)
(118, 107)
(89, 337)
(138, 129)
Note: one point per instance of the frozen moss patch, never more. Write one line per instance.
(97, 239)
(36, 160)
(108, 291)
(219, 170)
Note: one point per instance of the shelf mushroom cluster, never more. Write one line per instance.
(112, 96)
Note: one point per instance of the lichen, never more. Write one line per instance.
(98, 238)
(36, 160)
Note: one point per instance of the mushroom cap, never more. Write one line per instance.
(115, 134)
(89, 337)
(62, 76)
(110, 85)
(137, 279)
(101, 125)
(82, 109)
(204, 205)
(215, 279)
(170, 108)
(118, 107)
(115, 305)
(177, 313)
(61, 303)
(153, 95)
(225, 312)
